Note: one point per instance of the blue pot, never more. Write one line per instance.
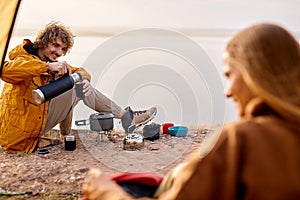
(178, 131)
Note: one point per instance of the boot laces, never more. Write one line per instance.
(139, 112)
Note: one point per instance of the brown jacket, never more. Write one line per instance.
(255, 158)
(22, 120)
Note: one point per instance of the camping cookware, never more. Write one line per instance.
(79, 90)
(179, 131)
(165, 127)
(151, 131)
(133, 141)
(98, 122)
(70, 142)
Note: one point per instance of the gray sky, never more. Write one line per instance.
(122, 15)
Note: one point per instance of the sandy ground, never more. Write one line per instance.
(60, 173)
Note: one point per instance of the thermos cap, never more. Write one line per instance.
(38, 96)
(76, 77)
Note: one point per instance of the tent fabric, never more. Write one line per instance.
(9, 10)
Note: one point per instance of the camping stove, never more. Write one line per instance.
(133, 141)
(99, 122)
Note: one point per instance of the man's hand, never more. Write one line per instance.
(61, 67)
(86, 89)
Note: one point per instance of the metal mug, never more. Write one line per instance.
(70, 142)
(79, 90)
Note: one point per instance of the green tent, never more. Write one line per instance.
(9, 10)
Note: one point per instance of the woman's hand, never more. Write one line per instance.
(98, 186)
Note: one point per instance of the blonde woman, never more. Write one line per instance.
(257, 157)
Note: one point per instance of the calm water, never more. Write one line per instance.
(145, 77)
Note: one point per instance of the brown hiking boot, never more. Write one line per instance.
(142, 117)
(137, 117)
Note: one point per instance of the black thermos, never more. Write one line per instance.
(55, 87)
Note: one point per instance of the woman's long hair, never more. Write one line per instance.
(269, 59)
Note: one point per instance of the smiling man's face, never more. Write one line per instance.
(53, 51)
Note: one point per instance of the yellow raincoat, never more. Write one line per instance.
(22, 119)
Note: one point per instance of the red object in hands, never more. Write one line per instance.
(145, 178)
